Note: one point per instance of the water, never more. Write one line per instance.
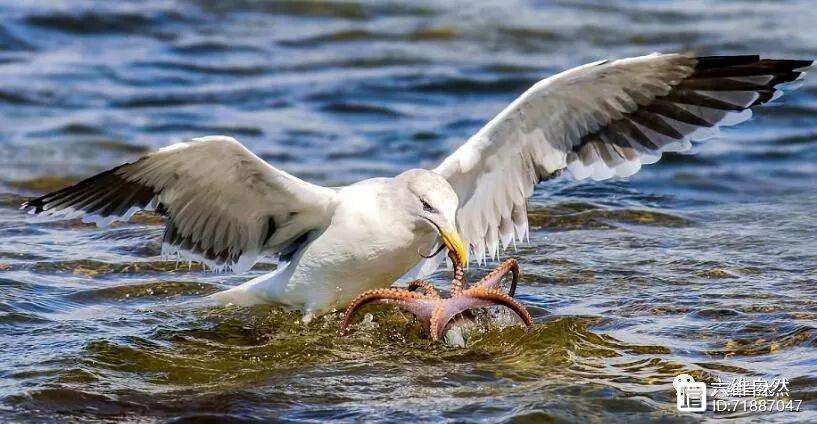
(701, 264)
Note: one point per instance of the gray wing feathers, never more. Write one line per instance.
(224, 206)
(597, 121)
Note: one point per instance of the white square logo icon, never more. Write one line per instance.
(690, 395)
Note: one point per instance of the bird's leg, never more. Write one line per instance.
(494, 279)
(420, 305)
(427, 287)
(473, 298)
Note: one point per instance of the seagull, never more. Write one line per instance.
(227, 208)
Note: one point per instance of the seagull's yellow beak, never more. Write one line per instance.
(454, 243)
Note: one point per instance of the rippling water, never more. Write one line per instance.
(702, 264)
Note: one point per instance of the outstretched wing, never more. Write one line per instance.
(225, 206)
(599, 120)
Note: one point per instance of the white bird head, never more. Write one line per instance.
(433, 202)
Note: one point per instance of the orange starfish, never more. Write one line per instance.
(436, 312)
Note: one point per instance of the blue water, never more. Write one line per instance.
(703, 263)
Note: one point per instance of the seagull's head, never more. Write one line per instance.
(432, 204)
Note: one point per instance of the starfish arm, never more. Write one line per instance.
(458, 284)
(449, 308)
(473, 298)
(497, 297)
(420, 305)
(494, 279)
(427, 287)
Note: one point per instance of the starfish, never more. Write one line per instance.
(434, 311)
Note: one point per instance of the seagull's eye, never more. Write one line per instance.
(427, 207)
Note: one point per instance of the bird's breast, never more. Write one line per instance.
(363, 248)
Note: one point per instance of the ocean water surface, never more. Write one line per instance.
(701, 264)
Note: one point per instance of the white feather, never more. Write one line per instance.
(542, 128)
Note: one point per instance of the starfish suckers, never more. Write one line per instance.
(435, 312)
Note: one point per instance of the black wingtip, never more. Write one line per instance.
(108, 193)
(725, 73)
(746, 65)
(712, 62)
(37, 204)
